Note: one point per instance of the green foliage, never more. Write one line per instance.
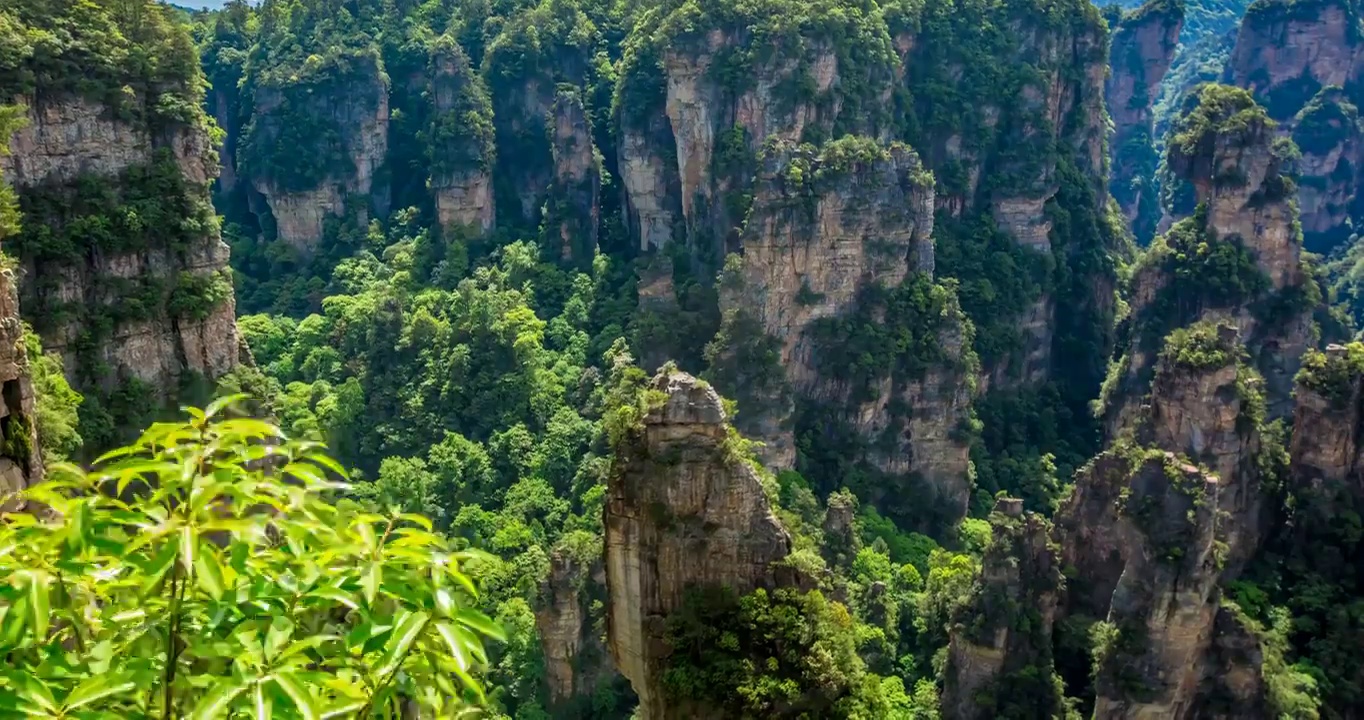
(132, 56)
(766, 652)
(167, 590)
(57, 404)
(1198, 347)
(1334, 375)
(1205, 272)
(1215, 112)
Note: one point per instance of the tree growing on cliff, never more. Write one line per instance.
(201, 572)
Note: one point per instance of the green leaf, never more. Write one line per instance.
(401, 641)
(335, 595)
(280, 632)
(157, 568)
(454, 644)
(97, 688)
(38, 604)
(208, 573)
(477, 621)
(215, 703)
(12, 628)
(303, 700)
(221, 404)
(369, 582)
(37, 692)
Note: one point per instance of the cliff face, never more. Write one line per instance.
(722, 102)
(21, 463)
(347, 125)
(78, 296)
(1011, 144)
(1296, 58)
(1000, 650)
(576, 661)
(1141, 48)
(835, 238)
(573, 204)
(534, 58)
(461, 179)
(682, 512)
(1224, 146)
(1179, 506)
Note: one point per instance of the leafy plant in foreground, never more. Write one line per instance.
(202, 573)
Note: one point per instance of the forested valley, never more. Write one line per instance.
(907, 359)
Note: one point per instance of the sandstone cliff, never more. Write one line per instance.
(1000, 652)
(1011, 151)
(722, 102)
(838, 241)
(683, 511)
(1141, 48)
(148, 299)
(1154, 534)
(569, 618)
(21, 463)
(1294, 58)
(341, 122)
(536, 52)
(573, 204)
(461, 151)
(1243, 233)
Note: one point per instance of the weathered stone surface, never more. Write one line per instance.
(652, 201)
(576, 661)
(70, 137)
(682, 512)
(812, 250)
(361, 117)
(1006, 629)
(18, 413)
(1295, 57)
(1141, 49)
(1282, 44)
(464, 199)
(574, 192)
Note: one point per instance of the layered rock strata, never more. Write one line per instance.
(683, 511)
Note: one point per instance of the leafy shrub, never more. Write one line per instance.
(201, 572)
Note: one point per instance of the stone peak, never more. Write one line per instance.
(690, 401)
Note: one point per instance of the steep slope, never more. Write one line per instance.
(124, 271)
(1141, 48)
(684, 512)
(1302, 61)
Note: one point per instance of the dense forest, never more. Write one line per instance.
(906, 359)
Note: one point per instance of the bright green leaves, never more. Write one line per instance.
(182, 577)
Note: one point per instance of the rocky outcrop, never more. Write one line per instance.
(21, 463)
(70, 141)
(462, 152)
(573, 206)
(683, 511)
(576, 661)
(1295, 58)
(1157, 525)
(347, 124)
(1160, 620)
(1286, 51)
(715, 127)
(1000, 650)
(1225, 148)
(1328, 133)
(829, 235)
(539, 51)
(1141, 49)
